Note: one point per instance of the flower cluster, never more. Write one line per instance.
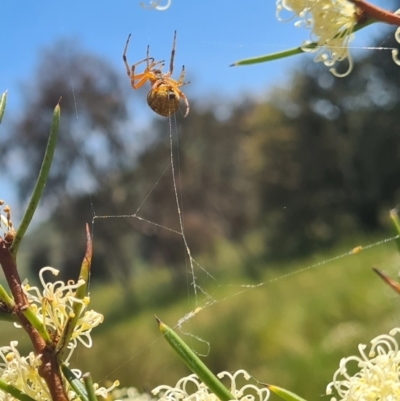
(191, 388)
(22, 373)
(129, 394)
(331, 23)
(54, 306)
(155, 4)
(377, 372)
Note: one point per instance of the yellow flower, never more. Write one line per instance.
(376, 374)
(331, 23)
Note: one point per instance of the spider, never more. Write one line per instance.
(164, 96)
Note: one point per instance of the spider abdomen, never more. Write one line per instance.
(163, 100)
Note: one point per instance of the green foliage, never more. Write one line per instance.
(303, 323)
(194, 363)
(296, 170)
(101, 108)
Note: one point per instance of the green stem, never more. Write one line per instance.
(87, 380)
(6, 299)
(40, 183)
(18, 394)
(6, 314)
(37, 324)
(194, 363)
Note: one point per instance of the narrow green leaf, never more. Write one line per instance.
(40, 183)
(3, 101)
(194, 363)
(396, 225)
(284, 394)
(273, 56)
(84, 273)
(87, 380)
(295, 50)
(81, 292)
(75, 383)
(16, 393)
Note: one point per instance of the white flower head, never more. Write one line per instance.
(54, 306)
(191, 388)
(377, 373)
(130, 394)
(22, 373)
(395, 52)
(155, 4)
(331, 23)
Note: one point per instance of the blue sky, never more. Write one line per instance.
(211, 35)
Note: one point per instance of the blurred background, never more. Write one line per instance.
(279, 166)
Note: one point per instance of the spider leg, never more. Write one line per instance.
(171, 63)
(182, 95)
(153, 64)
(141, 78)
(124, 56)
(132, 72)
(147, 55)
(179, 82)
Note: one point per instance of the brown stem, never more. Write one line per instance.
(377, 13)
(49, 369)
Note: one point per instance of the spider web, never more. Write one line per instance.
(210, 300)
(202, 298)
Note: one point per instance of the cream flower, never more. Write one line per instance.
(54, 306)
(130, 394)
(395, 52)
(377, 376)
(191, 388)
(331, 23)
(155, 4)
(22, 373)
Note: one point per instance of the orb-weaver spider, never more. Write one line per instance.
(164, 96)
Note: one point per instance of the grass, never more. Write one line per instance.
(291, 332)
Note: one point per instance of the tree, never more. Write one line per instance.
(91, 141)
